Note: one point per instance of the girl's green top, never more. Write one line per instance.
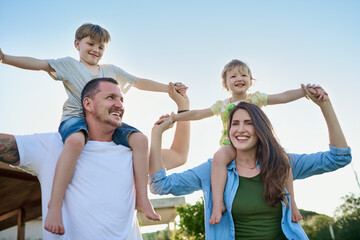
(223, 108)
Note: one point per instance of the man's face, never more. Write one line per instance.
(108, 104)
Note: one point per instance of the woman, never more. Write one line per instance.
(258, 207)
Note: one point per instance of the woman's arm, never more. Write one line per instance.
(336, 135)
(306, 165)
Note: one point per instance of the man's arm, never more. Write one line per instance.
(28, 63)
(9, 153)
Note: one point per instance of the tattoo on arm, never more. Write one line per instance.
(9, 153)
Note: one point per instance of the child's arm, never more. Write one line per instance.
(286, 97)
(25, 62)
(150, 85)
(194, 115)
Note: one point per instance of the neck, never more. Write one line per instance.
(247, 158)
(237, 97)
(99, 132)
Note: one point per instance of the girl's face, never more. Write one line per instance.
(238, 80)
(242, 132)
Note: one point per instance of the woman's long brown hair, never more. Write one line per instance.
(272, 158)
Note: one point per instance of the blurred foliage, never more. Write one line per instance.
(191, 225)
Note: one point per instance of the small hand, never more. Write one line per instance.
(180, 88)
(317, 91)
(165, 122)
(181, 100)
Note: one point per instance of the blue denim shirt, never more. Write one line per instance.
(198, 178)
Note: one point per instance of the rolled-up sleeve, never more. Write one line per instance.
(306, 165)
(180, 183)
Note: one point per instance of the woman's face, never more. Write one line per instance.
(242, 131)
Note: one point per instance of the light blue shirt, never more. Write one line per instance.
(198, 178)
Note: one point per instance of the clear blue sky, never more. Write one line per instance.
(285, 43)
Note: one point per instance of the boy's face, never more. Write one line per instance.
(90, 51)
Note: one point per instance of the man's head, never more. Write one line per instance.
(102, 102)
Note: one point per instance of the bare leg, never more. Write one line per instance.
(218, 180)
(295, 213)
(139, 144)
(64, 171)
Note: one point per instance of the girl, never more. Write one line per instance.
(237, 79)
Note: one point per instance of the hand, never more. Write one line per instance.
(316, 93)
(181, 100)
(180, 88)
(165, 122)
(1, 56)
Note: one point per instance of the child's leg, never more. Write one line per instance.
(139, 144)
(295, 213)
(64, 171)
(218, 180)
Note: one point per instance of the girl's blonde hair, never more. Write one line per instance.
(93, 31)
(231, 65)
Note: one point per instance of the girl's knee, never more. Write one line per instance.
(138, 140)
(76, 140)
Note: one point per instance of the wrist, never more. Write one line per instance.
(181, 111)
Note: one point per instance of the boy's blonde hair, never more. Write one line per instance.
(93, 31)
(231, 65)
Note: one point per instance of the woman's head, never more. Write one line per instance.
(272, 158)
(232, 69)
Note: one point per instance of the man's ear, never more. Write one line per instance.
(88, 104)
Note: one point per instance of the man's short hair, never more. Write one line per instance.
(92, 87)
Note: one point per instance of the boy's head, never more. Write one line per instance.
(95, 32)
(241, 66)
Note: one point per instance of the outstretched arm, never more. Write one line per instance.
(8, 150)
(285, 97)
(178, 152)
(336, 135)
(25, 62)
(150, 85)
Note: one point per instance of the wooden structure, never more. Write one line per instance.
(20, 199)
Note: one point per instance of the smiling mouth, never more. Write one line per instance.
(239, 84)
(242, 138)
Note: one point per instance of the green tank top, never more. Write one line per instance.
(253, 218)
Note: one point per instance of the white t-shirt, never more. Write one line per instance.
(99, 202)
(74, 75)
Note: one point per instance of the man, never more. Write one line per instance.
(100, 200)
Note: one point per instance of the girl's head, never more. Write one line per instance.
(95, 32)
(272, 158)
(236, 70)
